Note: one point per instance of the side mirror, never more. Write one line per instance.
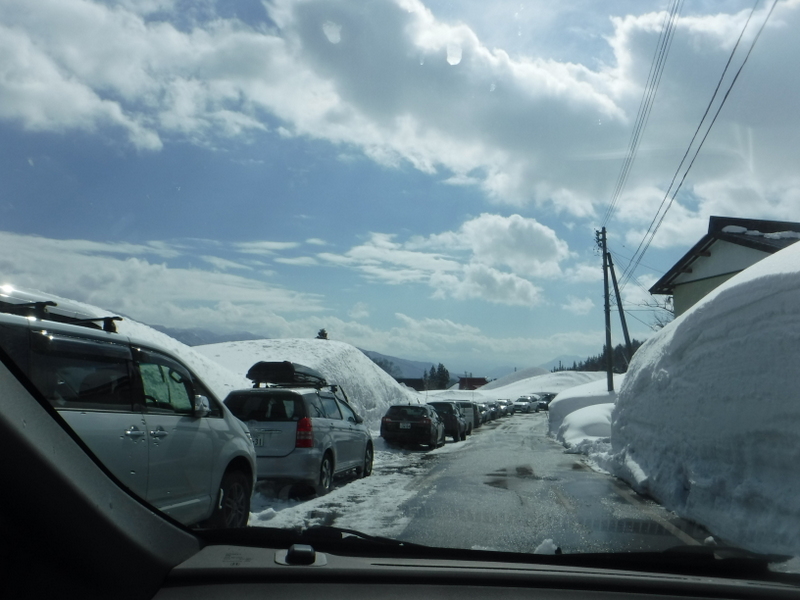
(201, 406)
(359, 420)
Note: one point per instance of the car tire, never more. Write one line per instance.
(325, 479)
(456, 437)
(233, 502)
(442, 441)
(464, 435)
(369, 457)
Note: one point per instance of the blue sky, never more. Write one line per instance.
(420, 179)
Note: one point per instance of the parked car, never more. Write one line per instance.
(471, 414)
(413, 424)
(544, 399)
(483, 411)
(303, 429)
(525, 404)
(454, 423)
(508, 406)
(145, 415)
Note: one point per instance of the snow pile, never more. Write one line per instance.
(581, 396)
(515, 376)
(587, 429)
(368, 387)
(550, 382)
(708, 418)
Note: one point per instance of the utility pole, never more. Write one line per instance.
(628, 347)
(609, 349)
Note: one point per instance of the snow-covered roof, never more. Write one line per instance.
(765, 236)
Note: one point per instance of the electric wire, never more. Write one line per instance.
(646, 103)
(658, 219)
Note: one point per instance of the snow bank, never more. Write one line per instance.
(586, 429)
(368, 387)
(708, 418)
(581, 396)
(550, 382)
(515, 376)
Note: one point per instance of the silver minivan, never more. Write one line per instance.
(147, 418)
(303, 434)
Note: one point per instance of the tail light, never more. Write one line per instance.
(305, 434)
(426, 421)
(386, 420)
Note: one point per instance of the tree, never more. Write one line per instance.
(442, 377)
(438, 378)
(322, 334)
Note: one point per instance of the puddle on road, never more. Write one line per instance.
(500, 478)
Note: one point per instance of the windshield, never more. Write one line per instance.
(588, 207)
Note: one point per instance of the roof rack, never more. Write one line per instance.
(39, 310)
(285, 374)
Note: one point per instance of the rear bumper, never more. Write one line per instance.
(300, 466)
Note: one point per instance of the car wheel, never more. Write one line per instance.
(233, 502)
(456, 437)
(464, 435)
(369, 456)
(441, 440)
(325, 482)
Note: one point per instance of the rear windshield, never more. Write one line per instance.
(282, 406)
(407, 412)
(443, 407)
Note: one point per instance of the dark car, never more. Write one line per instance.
(472, 415)
(454, 423)
(413, 424)
(545, 398)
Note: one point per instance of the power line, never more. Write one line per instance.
(646, 103)
(644, 245)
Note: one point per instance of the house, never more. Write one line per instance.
(471, 383)
(730, 246)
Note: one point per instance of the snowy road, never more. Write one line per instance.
(508, 487)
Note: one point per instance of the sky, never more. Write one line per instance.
(420, 179)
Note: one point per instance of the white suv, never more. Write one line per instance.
(151, 421)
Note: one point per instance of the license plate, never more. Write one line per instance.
(405, 425)
(258, 441)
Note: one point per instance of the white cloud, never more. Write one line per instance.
(529, 130)
(578, 306)
(491, 258)
(298, 261)
(223, 264)
(359, 311)
(147, 291)
(264, 247)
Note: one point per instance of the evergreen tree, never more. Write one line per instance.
(322, 334)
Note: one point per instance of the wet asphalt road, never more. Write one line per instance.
(509, 487)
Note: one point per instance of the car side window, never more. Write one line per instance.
(314, 406)
(330, 406)
(348, 413)
(74, 373)
(165, 384)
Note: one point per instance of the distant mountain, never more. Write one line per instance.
(409, 369)
(201, 337)
(563, 360)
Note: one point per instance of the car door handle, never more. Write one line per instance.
(134, 432)
(159, 433)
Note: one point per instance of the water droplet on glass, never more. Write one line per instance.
(332, 31)
(453, 54)
(492, 87)
(421, 61)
